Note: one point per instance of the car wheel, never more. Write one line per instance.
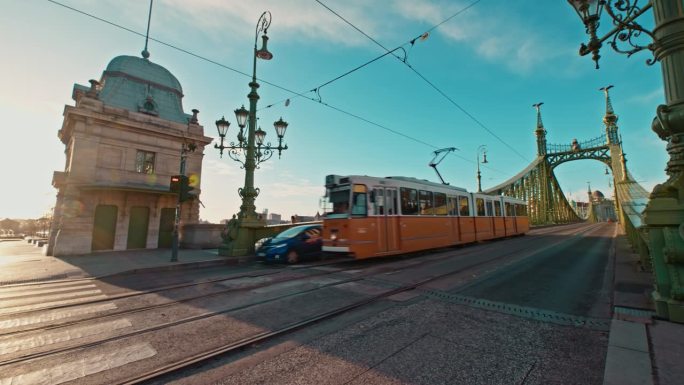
(292, 257)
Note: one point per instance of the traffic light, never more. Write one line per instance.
(174, 187)
(185, 189)
(180, 184)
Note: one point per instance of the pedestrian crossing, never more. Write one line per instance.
(50, 302)
(16, 299)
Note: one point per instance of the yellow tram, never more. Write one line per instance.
(368, 217)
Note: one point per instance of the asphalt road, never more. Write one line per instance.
(572, 277)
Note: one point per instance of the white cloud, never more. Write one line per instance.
(647, 99)
(495, 36)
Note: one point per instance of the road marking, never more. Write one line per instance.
(15, 345)
(43, 298)
(91, 364)
(38, 286)
(49, 304)
(55, 315)
(26, 293)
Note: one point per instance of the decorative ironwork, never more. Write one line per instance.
(627, 30)
(626, 33)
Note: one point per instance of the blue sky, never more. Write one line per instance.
(493, 61)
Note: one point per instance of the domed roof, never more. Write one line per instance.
(143, 69)
(139, 85)
(597, 195)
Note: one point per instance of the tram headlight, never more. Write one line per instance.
(333, 236)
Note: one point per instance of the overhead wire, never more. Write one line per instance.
(468, 114)
(297, 94)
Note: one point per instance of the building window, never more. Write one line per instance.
(144, 162)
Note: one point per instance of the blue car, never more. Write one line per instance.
(292, 245)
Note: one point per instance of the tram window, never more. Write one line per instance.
(379, 201)
(464, 206)
(497, 208)
(479, 204)
(452, 204)
(425, 198)
(409, 201)
(440, 204)
(391, 202)
(520, 210)
(359, 203)
(509, 210)
(489, 208)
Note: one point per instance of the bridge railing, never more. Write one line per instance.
(599, 141)
(632, 200)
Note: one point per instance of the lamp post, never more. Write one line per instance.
(480, 150)
(250, 151)
(664, 212)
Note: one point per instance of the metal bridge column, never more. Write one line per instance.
(664, 214)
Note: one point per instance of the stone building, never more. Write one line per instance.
(123, 141)
(603, 208)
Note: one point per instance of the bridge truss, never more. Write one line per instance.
(538, 185)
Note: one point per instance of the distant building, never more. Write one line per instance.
(604, 209)
(123, 140)
(581, 208)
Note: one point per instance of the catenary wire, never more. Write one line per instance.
(431, 84)
(297, 94)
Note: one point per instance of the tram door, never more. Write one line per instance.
(387, 220)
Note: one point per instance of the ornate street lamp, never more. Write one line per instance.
(626, 29)
(480, 150)
(249, 150)
(661, 220)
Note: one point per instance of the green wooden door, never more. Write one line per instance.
(137, 228)
(166, 220)
(104, 227)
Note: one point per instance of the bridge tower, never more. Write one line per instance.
(538, 185)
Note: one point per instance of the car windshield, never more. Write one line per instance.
(291, 232)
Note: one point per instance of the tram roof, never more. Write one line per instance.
(423, 182)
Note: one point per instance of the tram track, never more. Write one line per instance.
(440, 255)
(165, 304)
(405, 265)
(261, 338)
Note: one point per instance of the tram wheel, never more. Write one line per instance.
(292, 257)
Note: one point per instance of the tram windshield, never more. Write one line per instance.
(343, 201)
(337, 202)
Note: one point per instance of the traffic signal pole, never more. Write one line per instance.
(176, 221)
(183, 190)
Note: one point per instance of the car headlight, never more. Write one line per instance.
(259, 243)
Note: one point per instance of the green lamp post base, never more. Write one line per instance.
(239, 236)
(664, 218)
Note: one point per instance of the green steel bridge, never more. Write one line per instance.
(547, 204)
(538, 185)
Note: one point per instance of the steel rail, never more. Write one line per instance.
(261, 336)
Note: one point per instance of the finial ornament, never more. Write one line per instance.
(145, 53)
(537, 106)
(609, 105)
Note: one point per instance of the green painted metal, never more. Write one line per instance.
(655, 220)
(104, 227)
(239, 235)
(166, 222)
(137, 227)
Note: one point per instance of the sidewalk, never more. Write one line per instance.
(642, 350)
(22, 262)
